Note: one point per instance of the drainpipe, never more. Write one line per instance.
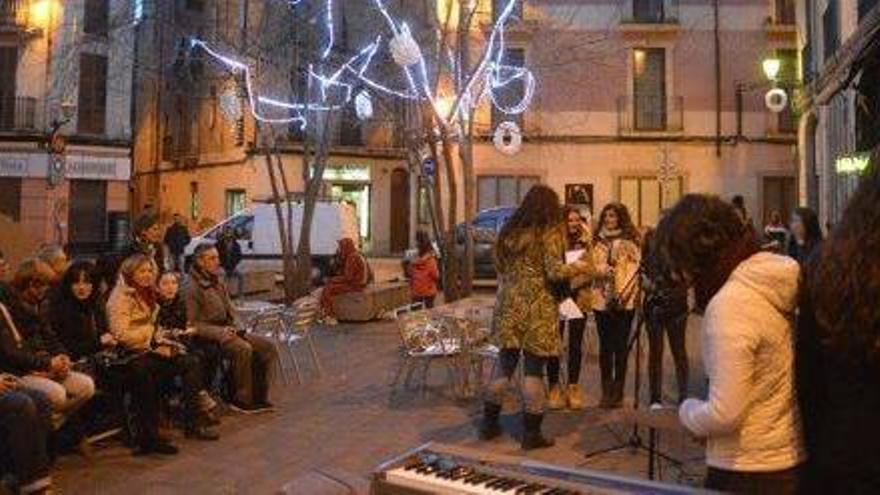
(717, 80)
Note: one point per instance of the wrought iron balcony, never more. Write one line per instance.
(784, 13)
(13, 14)
(18, 114)
(650, 114)
(650, 12)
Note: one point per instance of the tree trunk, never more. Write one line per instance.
(451, 261)
(466, 153)
(286, 247)
(303, 278)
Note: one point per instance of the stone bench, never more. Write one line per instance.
(371, 303)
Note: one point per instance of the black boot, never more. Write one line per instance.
(490, 427)
(532, 438)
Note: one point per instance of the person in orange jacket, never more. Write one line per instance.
(423, 272)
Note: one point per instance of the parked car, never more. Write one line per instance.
(260, 240)
(486, 226)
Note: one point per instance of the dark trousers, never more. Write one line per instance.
(427, 301)
(147, 373)
(24, 428)
(575, 352)
(767, 483)
(253, 358)
(614, 329)
(675, 331)
(532, 366)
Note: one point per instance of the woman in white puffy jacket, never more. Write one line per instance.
(750, 419)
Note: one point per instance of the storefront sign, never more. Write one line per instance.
(77, 166)
(852, 164)
(13, 167)
(87, 169)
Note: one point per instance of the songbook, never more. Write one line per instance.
(573, 255)
(569, 310)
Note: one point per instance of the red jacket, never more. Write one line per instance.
(424, 275)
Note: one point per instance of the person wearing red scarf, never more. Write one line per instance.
(353, 276)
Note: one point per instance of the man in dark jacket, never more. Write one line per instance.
(209, 308)
(146, 239)
(230, 256)
(176, 238)
(29, 348)
(24, 427)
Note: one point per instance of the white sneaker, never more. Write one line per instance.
(656, 406)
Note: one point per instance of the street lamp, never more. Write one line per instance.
(776, 99)
(771, 68)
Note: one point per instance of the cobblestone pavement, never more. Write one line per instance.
(348, 421)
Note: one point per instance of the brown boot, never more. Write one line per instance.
(556, 398)
(576, 399)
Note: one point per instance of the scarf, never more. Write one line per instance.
(708, 284)
(147, 295)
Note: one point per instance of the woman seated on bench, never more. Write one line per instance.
(132, 310)
(353, 275)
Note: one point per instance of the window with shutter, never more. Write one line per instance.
(92, 106)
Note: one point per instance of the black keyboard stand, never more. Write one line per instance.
(635, 441)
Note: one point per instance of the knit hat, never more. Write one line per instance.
(144, 221)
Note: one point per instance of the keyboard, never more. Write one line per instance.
(440, 469)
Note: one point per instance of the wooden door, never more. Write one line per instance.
(399, 210)
(779, 195)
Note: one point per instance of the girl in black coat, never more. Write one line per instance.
(172, 317)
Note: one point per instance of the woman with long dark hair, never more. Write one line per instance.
(578, 237)
(77, 314)
(617, 255)
(806, 235)
(750, 419)
(529, 259)
(837, 359)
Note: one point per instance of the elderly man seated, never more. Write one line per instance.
(352, 275)
(24, 427)
(29, 347)
(209, 308)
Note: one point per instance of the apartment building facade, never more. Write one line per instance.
(65, 65)
(840, 124)
(642, 101)
(195, 156)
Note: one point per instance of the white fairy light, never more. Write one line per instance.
(363, 105)
(489, 77)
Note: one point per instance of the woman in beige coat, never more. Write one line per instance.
(617, 256)
(132, 310)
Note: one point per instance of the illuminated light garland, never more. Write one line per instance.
(363, 105)
(490, 76)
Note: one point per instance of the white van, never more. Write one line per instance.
(260, 239)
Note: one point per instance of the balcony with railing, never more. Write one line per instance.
(18, 114)
(649, 13)
(784, 13)
(13, 15)
(651, 114)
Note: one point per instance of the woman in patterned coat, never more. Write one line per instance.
(530, 262)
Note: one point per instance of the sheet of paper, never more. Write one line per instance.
(569, 310)
(574, 255)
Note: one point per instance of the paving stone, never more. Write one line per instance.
(347, 421)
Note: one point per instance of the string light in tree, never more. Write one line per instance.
(363, 105)
(485, 82)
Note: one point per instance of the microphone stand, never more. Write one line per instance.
(635, 441)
